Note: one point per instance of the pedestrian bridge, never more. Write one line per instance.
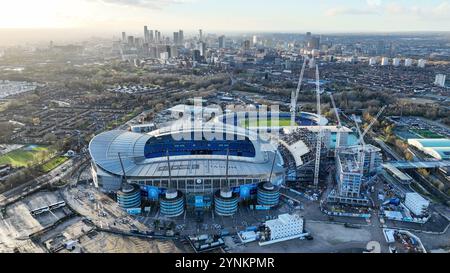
(405, 165)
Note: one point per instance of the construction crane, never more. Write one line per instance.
(339, 127)
(319, 135)
(295, 93)
(374, 120)
(362, 135)
(362, 143)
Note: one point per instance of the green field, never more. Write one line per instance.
(52, 164)
(426, 133)
(24, 157)
(266, 123)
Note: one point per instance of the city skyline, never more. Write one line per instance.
(250, 15)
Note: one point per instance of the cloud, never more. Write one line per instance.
(374, 3)
(150, 4)
(442, 9)
(349, 11)
(378, 7)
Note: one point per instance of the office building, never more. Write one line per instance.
(246, 45)
(150, 37)
(181, 37)
(440, 80)
(314, 43)
(384, 61)
(201, 46)
(176, 38)
(146, 35)
(351, 172)
(222, 42)
(408, 62)
(255, 39)
(131, 40)
(421, 63)
(396, 62)
(285, 227)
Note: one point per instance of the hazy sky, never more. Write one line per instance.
(113, 16)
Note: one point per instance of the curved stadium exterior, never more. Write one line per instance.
(196, 166)
(198, 162)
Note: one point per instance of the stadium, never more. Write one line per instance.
(177, 168)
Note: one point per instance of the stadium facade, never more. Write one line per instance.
(238, 160)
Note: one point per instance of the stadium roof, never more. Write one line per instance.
(437, 148)
(106, 147)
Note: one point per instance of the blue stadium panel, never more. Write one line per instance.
(226, 207)
(158, 147)
(128, 201)
(172, 207)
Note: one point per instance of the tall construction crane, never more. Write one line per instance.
(295, 93)
(339, 127)
(362, 135)
(362, 143)
(374, 120)
(319, 135)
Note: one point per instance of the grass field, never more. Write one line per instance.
(426, 133)
(52, 164)
(266, 123)
(24, 156)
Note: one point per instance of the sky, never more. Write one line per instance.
(325, 16)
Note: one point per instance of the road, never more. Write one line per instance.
(35, 184)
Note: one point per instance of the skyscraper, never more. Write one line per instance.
(314, 43)
(124, 37)
(176, 38)
(131, 40)
(146, 34)
(246, 45)
(222, 41)
(180, 37)
(440, 80)
(202, 48)
(381, 47)
(200, 32)
(151, 39)
(196, 56)
(255, 39)
(157, 36)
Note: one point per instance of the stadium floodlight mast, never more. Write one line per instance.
(295, 93)
(168, 166)
(124, 177)
(319, 135)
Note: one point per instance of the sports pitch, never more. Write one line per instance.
(266, 123)
(24, 156)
